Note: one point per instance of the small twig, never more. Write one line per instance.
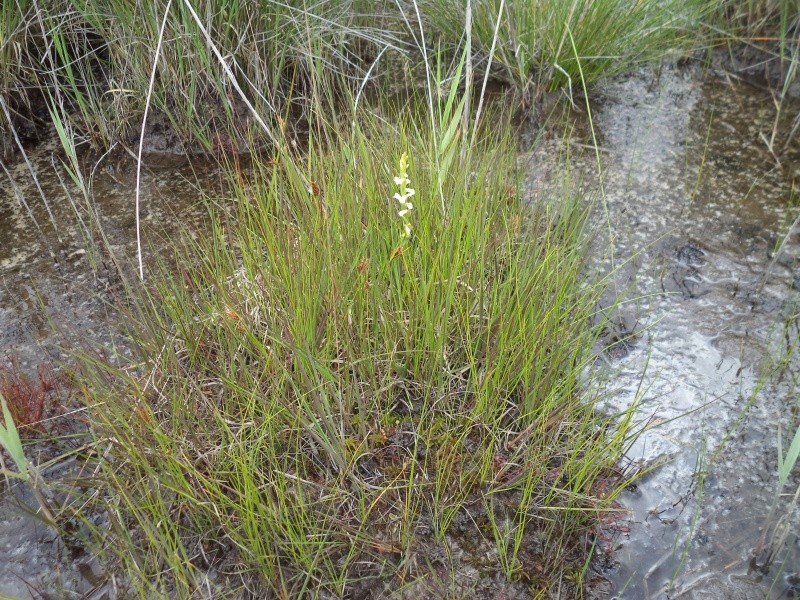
(141, 139)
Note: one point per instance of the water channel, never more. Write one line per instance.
(705, 247)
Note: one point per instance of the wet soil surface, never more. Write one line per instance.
(702, 219)
(701, 215)
(53, 302)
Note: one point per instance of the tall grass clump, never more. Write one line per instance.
(20, 70)
(368, 362)
(763, 36)
(542, 45)
(215, 64)
(13, 41)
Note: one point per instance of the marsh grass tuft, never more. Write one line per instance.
(18, 72)
(217, 60)
(213, 61)
(325, 394)
(533, 49)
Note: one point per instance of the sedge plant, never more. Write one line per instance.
(529, 43)
(199, 63)
(374, 336)
(370, 344)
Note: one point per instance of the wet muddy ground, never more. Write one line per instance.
(701, 215)
(52, 302)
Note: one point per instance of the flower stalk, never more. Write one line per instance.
(402, 196)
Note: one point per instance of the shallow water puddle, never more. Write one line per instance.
(698, 208)
(40, 290)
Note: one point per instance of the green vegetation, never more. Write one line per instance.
(17, 77)
(214, 66)
(334, 377)
(373, 365)
(202, 56)
(538, 46)
(96, 57)
(12, 46)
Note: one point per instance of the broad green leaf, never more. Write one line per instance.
(9, 438)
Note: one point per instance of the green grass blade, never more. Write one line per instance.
(10, 440)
